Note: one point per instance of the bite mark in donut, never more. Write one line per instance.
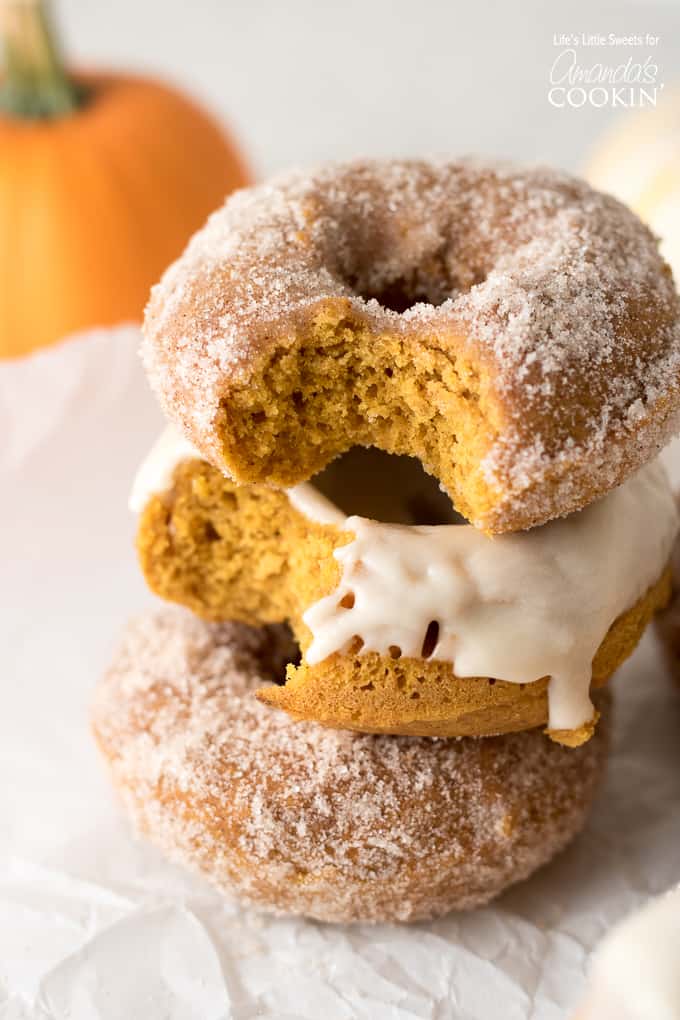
(537, 369)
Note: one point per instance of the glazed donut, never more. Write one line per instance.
(299, 819)
(635, 974)
(447, 311)
(425, 630)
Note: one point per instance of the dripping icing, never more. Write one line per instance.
(516, 607)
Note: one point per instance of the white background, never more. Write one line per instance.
(306, 80)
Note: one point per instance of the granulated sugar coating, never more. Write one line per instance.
(297, 819)
(513, 329)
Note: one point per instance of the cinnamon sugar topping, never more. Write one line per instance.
(556, 290)
(298, 818)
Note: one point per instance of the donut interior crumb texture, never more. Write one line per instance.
(299, 819)
(511, 328)
(344, 386)
(242, 552)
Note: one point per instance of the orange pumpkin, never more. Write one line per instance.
(100, 188)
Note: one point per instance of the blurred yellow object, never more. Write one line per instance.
(639, 162)
(103, 178)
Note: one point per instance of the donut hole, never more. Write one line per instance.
(279, 650)
(386, 487)
(397, 278)
(401, 294)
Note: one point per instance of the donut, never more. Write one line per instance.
(635, 974)
(668, 621)
(446, 311)
(424, 629)
(300, 819)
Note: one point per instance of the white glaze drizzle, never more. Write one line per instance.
(636, 970)
(515, 607)
(154, 474)
(315, 506)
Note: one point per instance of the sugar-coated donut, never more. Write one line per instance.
(299, 819)
(447, 311)
(435, 631)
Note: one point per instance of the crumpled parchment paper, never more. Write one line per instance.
(95, 925)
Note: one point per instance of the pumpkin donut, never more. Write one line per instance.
(426, 629)
(299, 819)
(668, 622)
(449, 311)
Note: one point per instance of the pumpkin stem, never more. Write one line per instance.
(35, 83)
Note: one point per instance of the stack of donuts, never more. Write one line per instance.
(408, 511)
